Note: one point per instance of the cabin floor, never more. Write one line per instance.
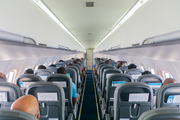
(89, 108)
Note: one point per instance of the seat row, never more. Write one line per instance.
(123, 96)
(54, 95)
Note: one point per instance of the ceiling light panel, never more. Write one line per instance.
(40, 4)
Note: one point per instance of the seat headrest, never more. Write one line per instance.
(166, 113)
(150, 78)
(6, 114)
(28, 77)
(3, 80)
(131, 71)
(42, 71)
(119, 75)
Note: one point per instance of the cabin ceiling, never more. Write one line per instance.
(89, 24)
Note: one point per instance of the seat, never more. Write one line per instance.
(106, 74)
(112, 82)
(3, 80)
(52, 69)
(135, 73)
(124, 68)
(77, 77)
(43, 73)
(51, 100)
(114, 63)
(102, 71)
(9, 92)
(72, 73)
(168, 95)
(153, 80)
(6, 114)
(61, 64)
(24, 80)
(79, 67)
(167, 113)
(66, 82)
(131, 100)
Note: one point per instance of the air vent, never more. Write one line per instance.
(41, 44)
(89, 4)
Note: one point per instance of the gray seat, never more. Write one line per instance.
(73, 75)
(167, 113)
(43, 73)
(24, 80)
(52, 69)
(9, 93)
(6, 114)
(106, 74)
(112, 82)
(61, 64)
(51, 100)
(102, 71)
(168, 95)
(77, 72)
(66, 82)
(131, 100)
(135, 73)
(153, 80)
(124, 68)
(114, 63)
(3, 80)
(98, 65)
(79, 67)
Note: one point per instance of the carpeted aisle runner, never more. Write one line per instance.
(89, 108)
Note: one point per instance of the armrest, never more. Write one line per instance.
(107, 117)
(70, 117)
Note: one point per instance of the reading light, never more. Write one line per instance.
(124, 18)
(47, 11)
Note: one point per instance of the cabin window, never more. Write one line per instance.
(36, 67)
(152, 70)
(49, 64)
(167, 75)
(141, 67)
(11, 76)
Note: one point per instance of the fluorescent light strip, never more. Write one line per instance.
(124, 18)
(47, 11)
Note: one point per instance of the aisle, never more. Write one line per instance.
(89, 108)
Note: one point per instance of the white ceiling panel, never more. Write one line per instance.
(89, 24)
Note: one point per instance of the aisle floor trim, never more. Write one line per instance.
(82, 98)
(96, 98)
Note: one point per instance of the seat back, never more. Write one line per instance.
(168, 113)
(43, 73)
(124, 68)
(114, 63)
(9, 92)
(61, 64)
(106, 74)
(135, 73)
(102, 71)
(52, 69)
(168, 95)
(51, 99)
(79, 67)
(3, 80)
(72, 73)
(77, 72)
(131, 100)
(112, 82)
(153, 80)
(6, 114)
(24, 80)
(66, 82)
